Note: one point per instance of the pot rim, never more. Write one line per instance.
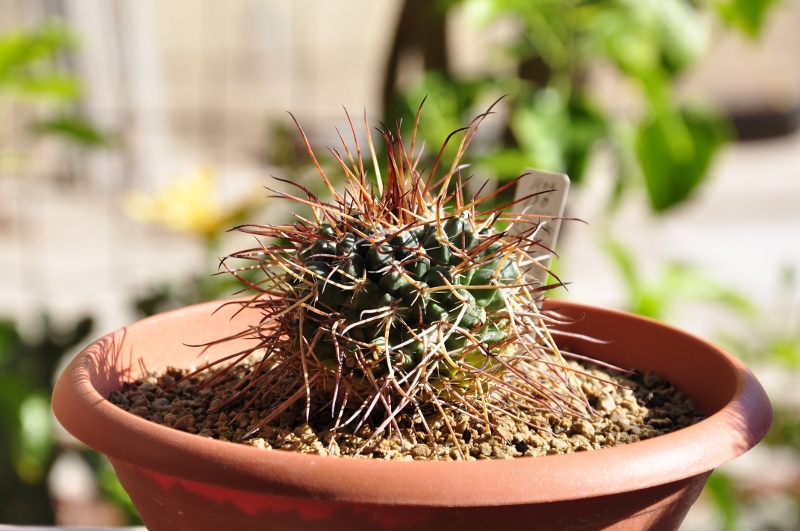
(697, 449)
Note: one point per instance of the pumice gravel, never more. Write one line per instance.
(640, 406)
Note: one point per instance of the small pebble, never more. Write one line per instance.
(186, 421)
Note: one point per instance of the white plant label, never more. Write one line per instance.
(551, 198)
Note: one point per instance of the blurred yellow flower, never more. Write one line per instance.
(188, 204)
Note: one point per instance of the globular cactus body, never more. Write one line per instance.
(355, 271)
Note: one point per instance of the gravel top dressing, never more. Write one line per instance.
(639, 407)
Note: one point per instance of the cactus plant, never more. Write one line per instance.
(400, 298)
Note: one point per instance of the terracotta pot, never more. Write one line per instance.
(182, 481)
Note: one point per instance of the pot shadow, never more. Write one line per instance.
(107, 366)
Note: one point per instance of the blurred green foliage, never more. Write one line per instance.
(768, 337)
(675, 284)
(775, 335)
(722, 491)
(26, 63)
(30, 72)
(747, 15)
(73, 128)
(675, 152)
(773, 339)
(110, 488)
(27, 444)
(553, 119)
(785, 429)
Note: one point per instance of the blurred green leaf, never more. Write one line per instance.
(25, 47)
(27, 444)
(449, 102)
(624, 261)
(785, 350)
(763, 342)
(587, 126)
(73, 128)
(26, 421)
(29, 71)
(9, 339)
(112, 490)
(646, 37)
(26, 62)
(722, 493)
(748, 16)
(785, 429)
(539, 127)
(13, 391)
(626, 36)
(63, 87)
(682, 30)
(36, 438)
(676, 282)
(675, 150)
(554, 134)
(506, 163)
(37, 429)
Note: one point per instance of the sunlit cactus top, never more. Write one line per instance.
(401, 297)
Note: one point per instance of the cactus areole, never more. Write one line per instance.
(401, 297)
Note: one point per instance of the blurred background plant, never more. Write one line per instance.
(766, 493)
(637, 101)
(30, 74)
(554, 115)
(34, 88)
(27, 440)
